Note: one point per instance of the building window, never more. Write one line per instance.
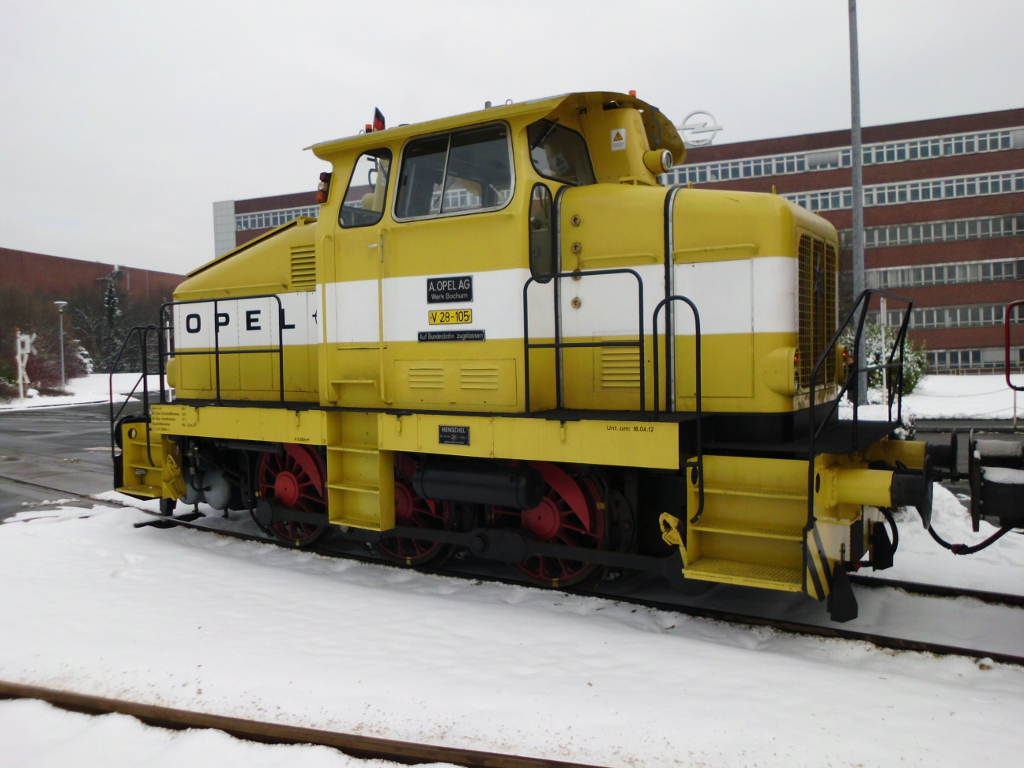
(269, 219)
(953, 317)
(912, 191)
(938, 232)
(965, 360)
(841, 157)
(946, 274)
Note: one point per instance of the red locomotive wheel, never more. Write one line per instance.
(569, 514)
(413, 510)
(297, 480)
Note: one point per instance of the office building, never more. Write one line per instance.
(943, 219)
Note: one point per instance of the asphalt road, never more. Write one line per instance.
(59, 448)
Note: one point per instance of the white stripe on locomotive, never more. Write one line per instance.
(737, 296)
(249, 322)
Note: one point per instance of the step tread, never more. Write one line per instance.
(768, 493)
(746, 529)
(358, 487)
(749, 574)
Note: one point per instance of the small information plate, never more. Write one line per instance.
(450, 336)
(449, 435)
(168, 419)
(443, 290)
(450, 316)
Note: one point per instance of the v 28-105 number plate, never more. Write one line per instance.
(450, 316)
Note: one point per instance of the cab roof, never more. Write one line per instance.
(661, 134)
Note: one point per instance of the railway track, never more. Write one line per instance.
(879, 640)
(741, 619)
(365, 747)
(796, 628)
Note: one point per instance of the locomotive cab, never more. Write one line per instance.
(527, 191)
(502, 333)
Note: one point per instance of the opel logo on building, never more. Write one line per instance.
(698, 129)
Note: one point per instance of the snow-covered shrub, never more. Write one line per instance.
(915, 359)
(83, 360)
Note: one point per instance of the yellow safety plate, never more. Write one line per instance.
(450, 316)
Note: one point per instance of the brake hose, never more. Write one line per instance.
(963, 549)
(892, 526)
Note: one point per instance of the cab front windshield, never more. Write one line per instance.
(560, 153)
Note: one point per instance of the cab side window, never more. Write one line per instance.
(367, 190)
(460, 172)
(559, 153)
(542, 235)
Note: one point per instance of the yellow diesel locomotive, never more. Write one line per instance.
(503, 335)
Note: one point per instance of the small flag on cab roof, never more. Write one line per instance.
(378, 120)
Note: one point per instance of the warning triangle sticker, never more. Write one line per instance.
(618, 136)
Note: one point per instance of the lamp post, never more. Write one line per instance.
(858, 192)
(60, 315)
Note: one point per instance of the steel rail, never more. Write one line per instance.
(937, 590)
(365, 747)
(59, 490)
(796, 628)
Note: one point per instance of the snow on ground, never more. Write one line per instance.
(37, 735)
(952, 397)
(94, 388)
(196, 621)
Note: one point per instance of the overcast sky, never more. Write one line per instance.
(122, 122)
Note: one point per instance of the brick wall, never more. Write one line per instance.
(56, 277)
